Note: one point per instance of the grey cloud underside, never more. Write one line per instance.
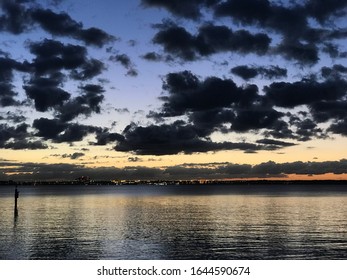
(27, 171)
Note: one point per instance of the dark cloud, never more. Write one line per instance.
(213, 39)
(53, 65)
(18, 138)
(122, 110)
(333, 72)
(245, 72)
(126, 62)
(53, 56)
(174, 139)
(25, 145)
(152, 56)
(301, 52)
(75, 132)
(291, 20)
(176, 41)
(305, 92)
(188, 9)
(332, 50)
(59, 132)
(300, 168)
(105, 137)
(188, 93)
(249, 72)
(46, 93)
(7, 92)
(208, 121)
(63, 25)
(212, 103)
(132, 72)
(122, 59)
(288, 20)
(14, 117)
(132, 43)
(41, 171)
(307, 129)
(340, 127)
(8, 65)
(15, 18)
(134, 159)
(325, 10)
(49, 128)
(255, 118)
(85, 104)
(7, 95)
(95, 36)
(300, 40)
(56, 3)
(8, 132)
(210, 39)
(247, 12)
(10, 170)
(296, 31)
(281, 130)
(274, 142)
(18, 18)
(88, 70)
(73, 156)
(324, 111)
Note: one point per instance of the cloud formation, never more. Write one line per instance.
(277, 78)
(18, 138)
(126, 62)
(249, 72)
(188, 9)
(178, 137)
(210, 39)
(51, 65)
(19, 18)
(213, 103)
(301, 41)
(10, 170)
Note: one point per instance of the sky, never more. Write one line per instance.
(156, 89)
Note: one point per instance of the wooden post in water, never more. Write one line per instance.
(16, 195)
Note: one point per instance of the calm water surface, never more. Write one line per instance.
(174, 222)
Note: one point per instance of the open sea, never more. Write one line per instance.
(174, 222)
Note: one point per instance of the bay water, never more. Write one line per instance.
(174, 222)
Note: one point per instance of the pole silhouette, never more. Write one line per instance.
(16, 195)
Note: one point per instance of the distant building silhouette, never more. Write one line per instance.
(84, 180)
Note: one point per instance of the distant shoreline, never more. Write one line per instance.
(176, 182)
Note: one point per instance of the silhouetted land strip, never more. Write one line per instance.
(178, 182)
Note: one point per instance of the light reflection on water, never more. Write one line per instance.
(143, 222)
